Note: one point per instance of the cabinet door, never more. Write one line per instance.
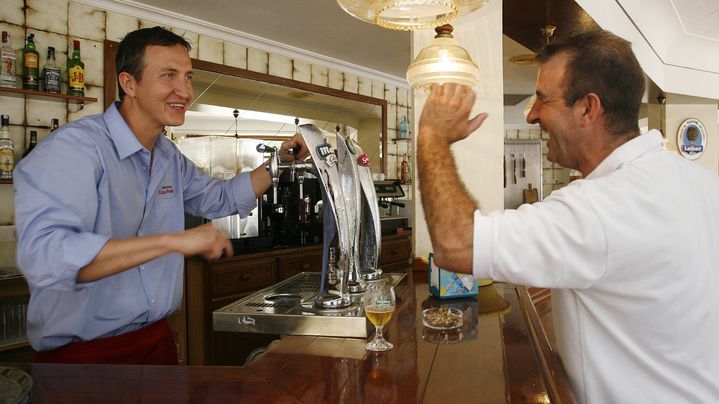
(397, 250)
(293, 264)
(235, 278)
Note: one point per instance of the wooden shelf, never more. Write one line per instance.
(9, 182)
(42, 94)
(17, 344)
(401, 139)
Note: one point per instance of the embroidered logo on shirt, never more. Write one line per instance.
(166, 191)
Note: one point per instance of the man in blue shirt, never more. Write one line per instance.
(100, 215)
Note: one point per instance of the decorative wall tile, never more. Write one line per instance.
(403, 96)
(17, 35)
(365, 86)
(335, 79)
(301, 71)
(391, 116)
(210, 49)
(59, 42)
(13, 12)
(47, 15)
(351, 83)
(75, 113)
(14, 107)
(192, 37)
(377, 89)
(7, 213)
(41, 132)
(91, 53)
(39, 112)
(320, 75)
(86, 22)
(523, 134)
(390, 94)
(280, 66)
(235, 55)
(150, 24)
(118, 25)
(257, 60)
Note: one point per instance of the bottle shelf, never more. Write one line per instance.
(6, 182)
(402, 139)
(42, 94)
(14, 345)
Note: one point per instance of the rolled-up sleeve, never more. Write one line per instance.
(55, 209)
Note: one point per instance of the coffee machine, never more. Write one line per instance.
(295, 218)
(392, 211)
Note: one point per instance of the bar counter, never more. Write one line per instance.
(502, 356)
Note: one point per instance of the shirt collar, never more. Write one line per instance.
(629, 151)
(122, 136)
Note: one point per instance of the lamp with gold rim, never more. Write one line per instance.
(442, 61)
(409, 15)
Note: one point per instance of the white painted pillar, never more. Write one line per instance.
(479, 157)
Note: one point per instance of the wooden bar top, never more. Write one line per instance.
(501, 356)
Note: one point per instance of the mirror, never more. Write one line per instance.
(266, 108)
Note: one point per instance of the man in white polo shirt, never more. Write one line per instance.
(631, 251)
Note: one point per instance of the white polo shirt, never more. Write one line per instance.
(633, 252)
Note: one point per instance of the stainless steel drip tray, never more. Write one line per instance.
(288, 308)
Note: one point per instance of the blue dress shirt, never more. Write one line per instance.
(86, 183)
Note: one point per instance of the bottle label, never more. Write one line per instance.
(30, 60)
(7, 159)
(8, 63)
(77, 77)
(52, 80)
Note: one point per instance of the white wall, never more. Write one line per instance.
(479, 157)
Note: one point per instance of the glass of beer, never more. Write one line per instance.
(379, 302)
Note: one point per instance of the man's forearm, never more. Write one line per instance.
(448, 207)
(118, 255)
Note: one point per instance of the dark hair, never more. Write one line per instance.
(131, 51)
(604, 64)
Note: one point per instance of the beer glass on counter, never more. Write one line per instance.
(379, 303)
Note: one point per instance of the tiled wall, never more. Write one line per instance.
(58, 22)
(553, 175)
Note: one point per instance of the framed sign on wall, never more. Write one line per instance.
(691, 139)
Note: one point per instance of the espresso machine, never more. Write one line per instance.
(308, 303)
(392, 211)
(294, 218)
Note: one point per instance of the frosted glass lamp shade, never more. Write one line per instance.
(442, 61)
(407, 15)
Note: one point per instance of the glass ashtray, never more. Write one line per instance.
(442, 318)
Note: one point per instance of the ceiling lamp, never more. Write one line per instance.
(408, 15)
(528, 58)
(442, 61)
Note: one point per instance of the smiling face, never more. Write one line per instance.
(552, 114)
(161, 97)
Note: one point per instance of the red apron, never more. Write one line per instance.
(152, 344)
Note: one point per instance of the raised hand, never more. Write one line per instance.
(446, 114)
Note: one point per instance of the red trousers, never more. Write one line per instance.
(152, 344)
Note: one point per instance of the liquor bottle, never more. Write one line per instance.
(55, 123)
(76, 72)
(51, 73)
(7, 156)
(404, 170)
(30, 62)
(403, 128)
(33, 142)
(7, 58)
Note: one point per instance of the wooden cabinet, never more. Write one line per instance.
(212, 285)
(304, 261)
